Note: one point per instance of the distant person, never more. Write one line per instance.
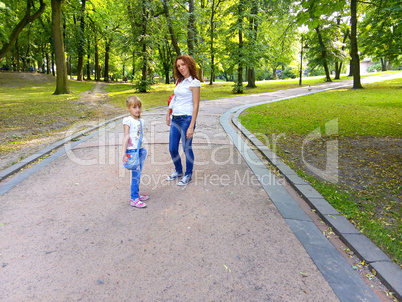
(133, 126)
(182, 116)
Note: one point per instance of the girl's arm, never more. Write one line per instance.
(126, 138)
(196, 106)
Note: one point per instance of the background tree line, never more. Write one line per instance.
(235, 40)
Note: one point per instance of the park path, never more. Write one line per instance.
(68, 233)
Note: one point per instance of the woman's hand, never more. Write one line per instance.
(190, 132)
(168, 119)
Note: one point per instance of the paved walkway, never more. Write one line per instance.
(67, 231)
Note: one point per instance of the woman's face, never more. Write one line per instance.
(183, 68)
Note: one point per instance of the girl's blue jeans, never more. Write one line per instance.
(178, 130)
(136, 174)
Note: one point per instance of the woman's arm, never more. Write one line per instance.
(168, 117)
(126, 138)
(196, 106)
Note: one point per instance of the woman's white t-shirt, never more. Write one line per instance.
(182, 103)
(135, 131)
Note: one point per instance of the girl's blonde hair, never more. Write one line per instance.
(133, 101)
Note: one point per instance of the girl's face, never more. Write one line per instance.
(183, 68)
(135, 111)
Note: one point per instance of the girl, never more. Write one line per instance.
(184, 105)
(133, 125)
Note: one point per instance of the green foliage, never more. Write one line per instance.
(237, 88)
(142, 86)
(381, 31)
(289, 73)
(376, 66)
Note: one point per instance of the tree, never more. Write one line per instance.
(342, 30)
(252, 32)
(381, 31)
(62, 86)
(214, 8)
(191, 34)
(81, 42)
(170, 27)
(28, 18)
(353, 46)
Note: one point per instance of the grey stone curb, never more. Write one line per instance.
(388, 272)
(345, 282)
(29, 160)
(77, 139)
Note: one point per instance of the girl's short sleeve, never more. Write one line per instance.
(126, 121)
(195, 83)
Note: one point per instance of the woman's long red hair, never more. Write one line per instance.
(192, 67)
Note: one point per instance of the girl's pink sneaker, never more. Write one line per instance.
(137, 203)
(143, 197)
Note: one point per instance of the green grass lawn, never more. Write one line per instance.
(28, 108)
(369, 134)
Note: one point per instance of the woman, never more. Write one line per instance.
(181, 119)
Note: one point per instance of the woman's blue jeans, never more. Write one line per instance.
(136, 174)
(178, 130)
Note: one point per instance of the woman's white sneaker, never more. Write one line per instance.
(185, 180)
(174, 176)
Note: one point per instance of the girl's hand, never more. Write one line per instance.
(125, 158)
(190, 132)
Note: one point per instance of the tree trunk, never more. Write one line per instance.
(145, 58)
(81, 42)
(106, 71)
(251, 77)
(97, 69)
(212, 26)
(191, 28)
(383, 64)
(171, 31)
(53, 70)
(134, 70)
(253, 30)
(20, 26)
(88, 68)
(62, 86)
(17, 49)
(353, 42)
(144, 69)
(88, 61)
(239, 88)
(166, 58)
(47, 60)
(323, 55)
(338, 69)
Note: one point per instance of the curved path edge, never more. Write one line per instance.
(345, 282)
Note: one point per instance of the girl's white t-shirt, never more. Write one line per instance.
(135, 131)
(182, 103)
